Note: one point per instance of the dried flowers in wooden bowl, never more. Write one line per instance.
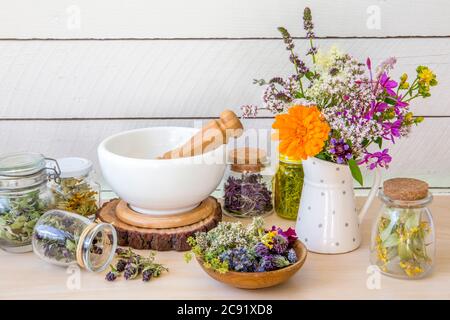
(248, 257)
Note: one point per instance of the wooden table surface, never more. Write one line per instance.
(24, 276)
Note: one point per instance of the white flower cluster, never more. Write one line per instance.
(336, 71)
(230, 234)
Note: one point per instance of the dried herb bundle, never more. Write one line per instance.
(20, 216)
(76, 195)
(132, 265)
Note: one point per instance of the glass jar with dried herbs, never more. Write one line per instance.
(24, 197)
(288, 184)
(403, 236)
(64, 238)
(247, 190)
(76, 191)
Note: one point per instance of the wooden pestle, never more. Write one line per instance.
(212, 135)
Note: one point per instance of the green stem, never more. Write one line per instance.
(313, 56)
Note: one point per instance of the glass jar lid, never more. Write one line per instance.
(25, 170)
(72, 167)
(405, 192)
(21, 164)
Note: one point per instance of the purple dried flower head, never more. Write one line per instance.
(111, 276)
(280, 244)
(341, 150)
(261, 249)
(147, 275)
(239, 259)
(249, 111)
(265, 264)
(312, 51)
(377, 159)
(120, 266)
(286, 38)
(307, 23)
(292, 256)
(131, 271)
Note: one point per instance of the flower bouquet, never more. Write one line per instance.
(338, 107)
(244, 256)
(329, 115)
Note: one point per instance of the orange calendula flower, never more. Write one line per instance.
(302, 132)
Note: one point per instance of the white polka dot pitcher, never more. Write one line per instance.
(328, 221)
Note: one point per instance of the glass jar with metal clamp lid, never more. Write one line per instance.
(24, 197)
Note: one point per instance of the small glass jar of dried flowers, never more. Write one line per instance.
(288, 185)
(403, 237)
(248, 188)
(24, 197)
(64, 238)
(76, 191)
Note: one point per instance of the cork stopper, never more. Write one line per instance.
(405, 189)
(247, 159)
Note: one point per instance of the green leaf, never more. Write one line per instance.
(391, 241)
(379, 142)
(413, 220)
(356, 172)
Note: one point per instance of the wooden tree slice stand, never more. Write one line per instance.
(165, 233)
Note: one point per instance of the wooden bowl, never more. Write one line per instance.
(258, 280)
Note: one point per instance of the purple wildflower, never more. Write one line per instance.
(340, 150)
(388, 84)
(392, 129)
(377, 159)
(289, 234)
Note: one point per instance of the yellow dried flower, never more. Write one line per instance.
(410, 269)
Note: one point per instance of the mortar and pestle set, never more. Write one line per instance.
(164, 177)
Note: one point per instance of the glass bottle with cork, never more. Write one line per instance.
(403, 236)
(248, 187)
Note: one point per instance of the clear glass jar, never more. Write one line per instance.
(77, 190)
(288, 185)
(24, 197)
(403, 238)
(247, 191)
(64, 238)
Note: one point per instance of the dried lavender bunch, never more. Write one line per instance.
(132, 265)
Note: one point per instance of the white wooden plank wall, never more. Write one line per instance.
(74, 72)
